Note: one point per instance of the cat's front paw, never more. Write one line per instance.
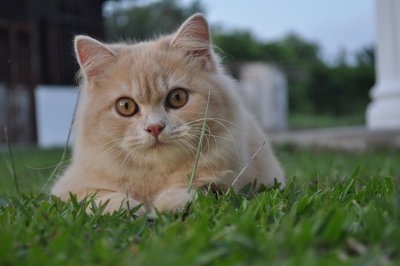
(172, 199)
(117, 201)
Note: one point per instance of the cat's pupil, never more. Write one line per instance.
(126, 105)
(177, 97)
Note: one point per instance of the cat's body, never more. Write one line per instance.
(139, 121)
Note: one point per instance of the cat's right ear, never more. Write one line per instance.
(92, 55)
(194, 37)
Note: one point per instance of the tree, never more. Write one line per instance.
(141, 22)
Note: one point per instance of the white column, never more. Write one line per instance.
(384, 110)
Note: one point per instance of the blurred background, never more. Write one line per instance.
(313, 63)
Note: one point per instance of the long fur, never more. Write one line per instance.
(116, 159)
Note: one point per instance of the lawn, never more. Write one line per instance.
(304, 120)
(339, 208)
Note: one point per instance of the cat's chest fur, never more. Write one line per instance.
(144, 182)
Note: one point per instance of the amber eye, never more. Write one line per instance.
(126, 106)
(177, 98)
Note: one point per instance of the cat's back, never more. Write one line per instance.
(257, 152)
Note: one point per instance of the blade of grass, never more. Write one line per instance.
(200, 146)
(12, 168)
(245, 166)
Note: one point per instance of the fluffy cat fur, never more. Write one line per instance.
(115, 157)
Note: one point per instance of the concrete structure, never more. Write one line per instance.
(339, 138)
(384, 110)
(264, 89)
(54, 111)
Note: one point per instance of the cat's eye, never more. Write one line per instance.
(126, 106)
(177, 98)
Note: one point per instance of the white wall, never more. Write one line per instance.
(54, 110)
(264, 89)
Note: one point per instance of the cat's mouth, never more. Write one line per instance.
(158, 144)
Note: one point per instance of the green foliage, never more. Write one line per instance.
(314, 85)
(237, 46)
(341, 88)
(330, 213)
(141, 22)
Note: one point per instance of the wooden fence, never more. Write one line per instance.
(18, 77)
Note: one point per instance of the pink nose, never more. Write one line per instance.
(155, 130)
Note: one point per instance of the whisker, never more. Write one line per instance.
(194, 149)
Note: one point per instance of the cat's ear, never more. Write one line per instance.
(92, 55)
(194, 37)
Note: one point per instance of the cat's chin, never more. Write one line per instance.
(158, 145)
(157, 154)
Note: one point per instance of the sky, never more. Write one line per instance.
(334, 24)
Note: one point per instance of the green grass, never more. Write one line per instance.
(33, 167)
(339, 208)
(300, 121)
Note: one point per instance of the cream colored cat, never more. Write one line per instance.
(140, 117)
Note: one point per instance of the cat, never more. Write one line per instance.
(139, 121)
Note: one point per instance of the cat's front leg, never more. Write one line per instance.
(116, 201)
(173, 199)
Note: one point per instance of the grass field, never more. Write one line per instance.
(339, 208)
(304, 120)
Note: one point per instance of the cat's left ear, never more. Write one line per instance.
(92, 55)
(194, 37)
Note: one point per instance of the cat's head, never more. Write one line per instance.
(146, 101)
